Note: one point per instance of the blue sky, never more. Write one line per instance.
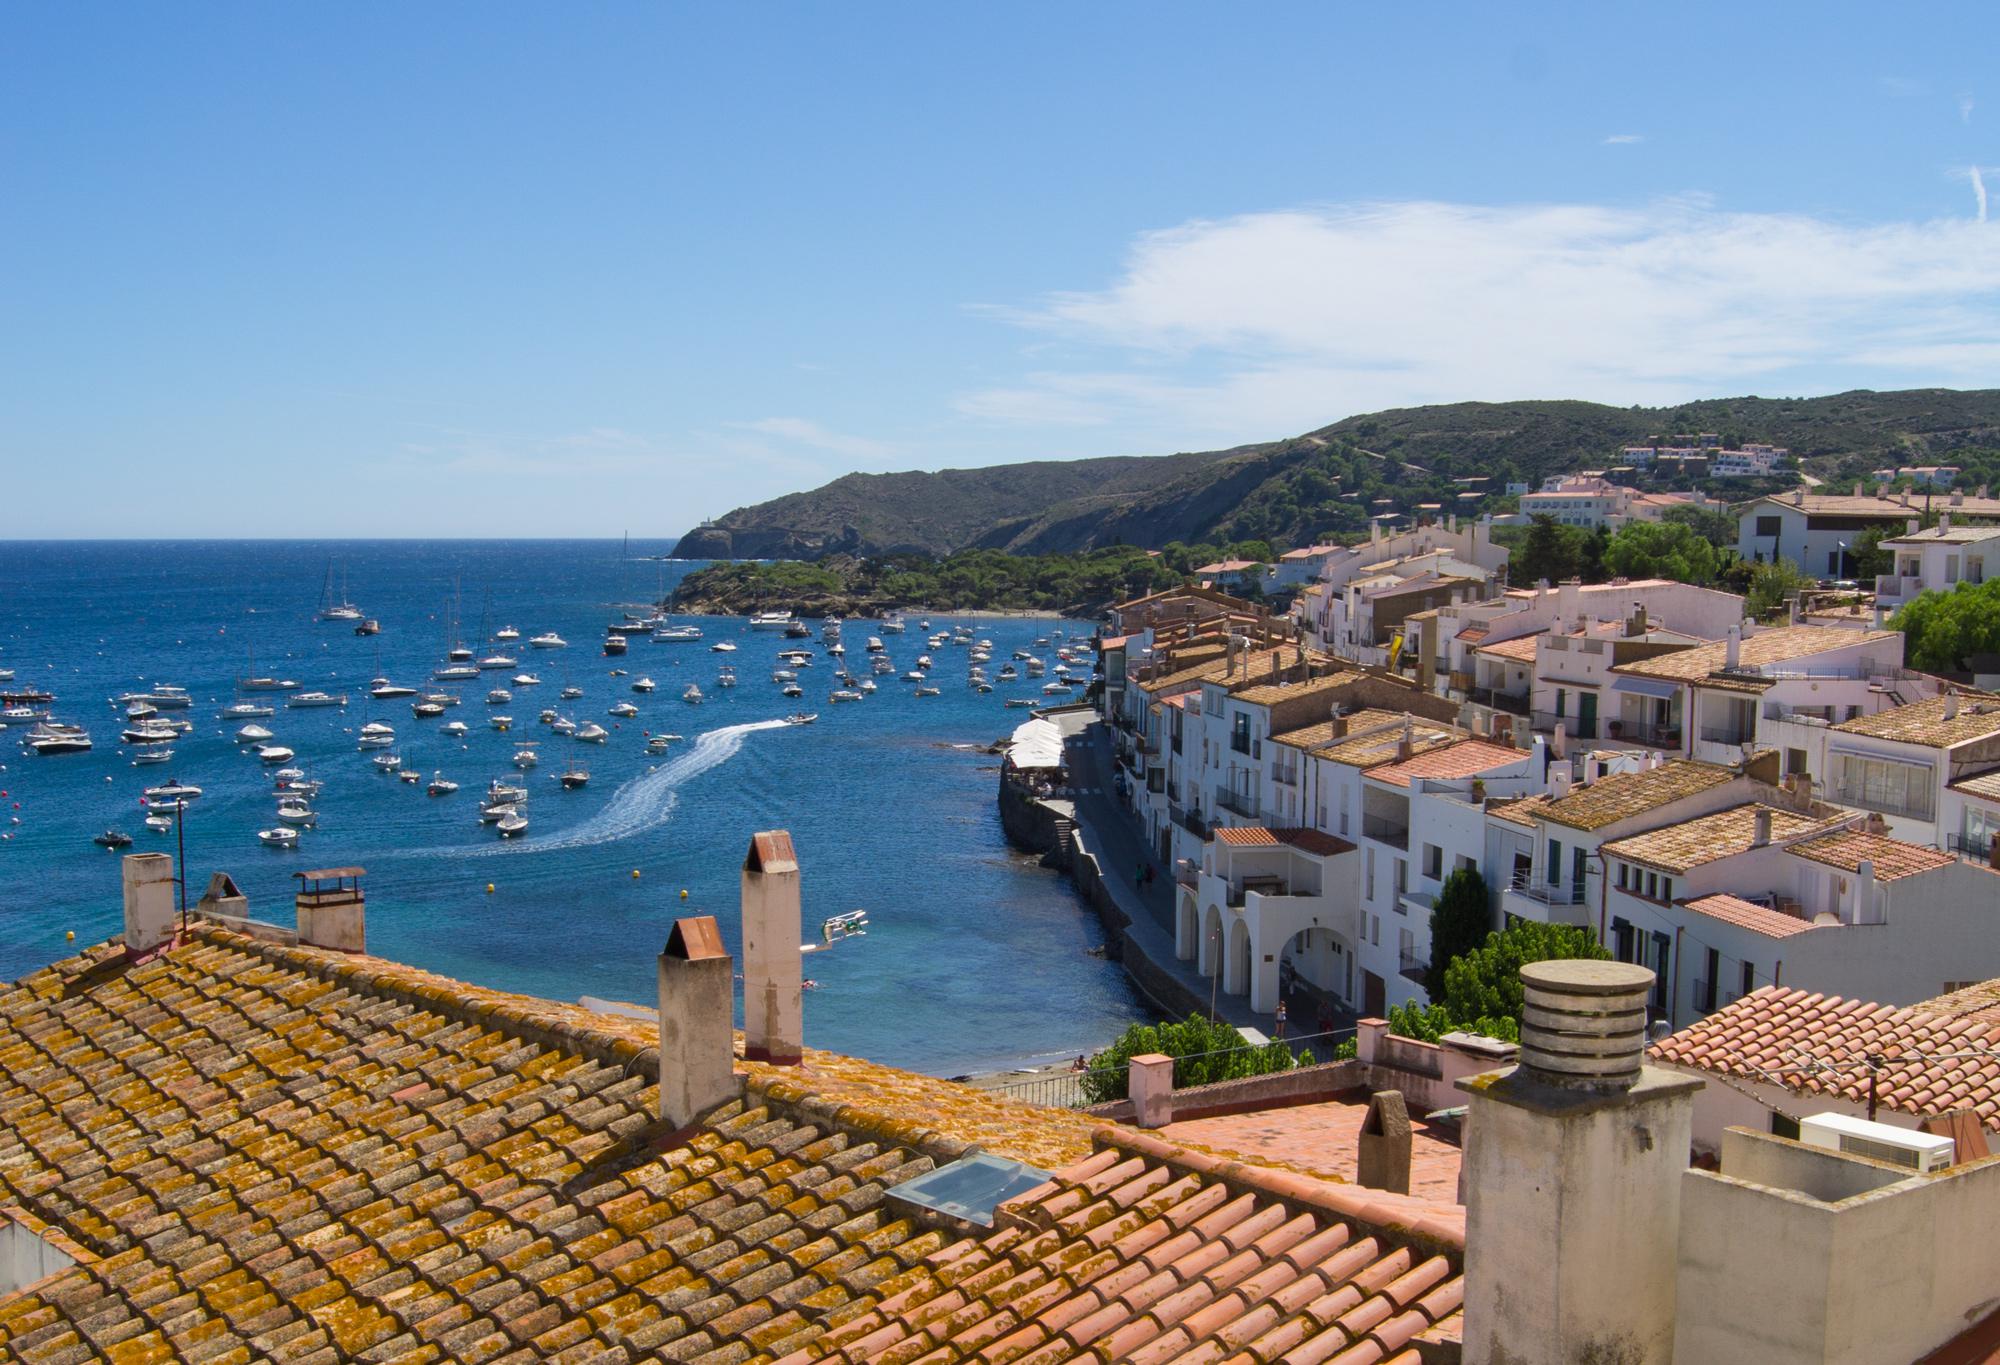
(571, 270)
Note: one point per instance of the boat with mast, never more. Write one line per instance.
(330, 610)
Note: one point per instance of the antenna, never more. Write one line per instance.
(837, 929)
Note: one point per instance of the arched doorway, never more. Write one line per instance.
(1209, 955)
(1236, 979)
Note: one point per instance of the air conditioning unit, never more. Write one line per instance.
(1877, 1141)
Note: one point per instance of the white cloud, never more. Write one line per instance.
(1903, 87)
(1965, 108)
(1978, 189)
(1273, 322)
(1624, 139)
(807, 433)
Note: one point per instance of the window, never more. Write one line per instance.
(1371, 873)
(1576, 868)
(1562, 702)
(1795, 761)
(1623, 870)
(1375, 935)
(1402, 881)
(1885, 785)
(1653, 885)
(1833, 563)
(1239, 738)
(1555, 862)
(1433, 862)
(1666, 888)
(1749, 978)
(1770, 526)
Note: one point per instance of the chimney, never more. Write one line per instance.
(1637, 625)
(331, 911)
(1405, 740)
(1559, 780)
(149, 901)
(1951, 704)
(1337, 724)
(1864, 891)
(1859, 489)
(1149, 1083)
(1573, 1169)
(697, 1018)
(222, 899)
(1382, 1149)
(1760, 834)
(1944, 522)
(773, 970)
(1957, 497)
(1733, 651)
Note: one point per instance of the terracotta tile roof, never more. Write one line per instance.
(1986, 786)
(1149, 1252)
(1250, 664)
(1313, 841)
(1314, 736)
(1723, 834)
(1369, 750)
(1323, 1138)
(1767, 648)
(1467, 758)
(1114, 642)
(1893, 858)
(1816, 1045)
(1923, 722)
(1227, 566)
(1521, 648)
(284, 1154)
(1884, 509)
(1524, 811)
(1473, 634)
(1264, 694)
(1620, 796)
(1979, 1001)
(1748, 915)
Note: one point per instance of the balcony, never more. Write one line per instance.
(1413, 968)
(1236, 892)
(1240, 803)
(1891, 587)
(1578, 729)
(1726, 734)
(1499, 701)
(1541, 898)
(1658, 734)
(1189, 820)
(1286, 776)
(1385, 831)
(1240, 743)
(1977, 848)
(1187, 872)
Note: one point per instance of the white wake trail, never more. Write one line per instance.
(645, 801)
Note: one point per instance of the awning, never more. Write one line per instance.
(1646, 687)
(1036, 744)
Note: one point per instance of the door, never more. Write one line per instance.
(1374, 996)
(1586, 715)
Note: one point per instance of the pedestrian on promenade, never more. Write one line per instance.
(1281, 1019)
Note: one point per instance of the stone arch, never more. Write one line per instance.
(1236, 974)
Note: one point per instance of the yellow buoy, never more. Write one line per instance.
(635, 874)
(489, 888)
(70, 936)
(684, 894)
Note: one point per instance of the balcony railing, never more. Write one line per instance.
(1286, 777)
(1979, 848)
(1662, 735)
(1412, 967)
(1499, 701)
(1526, 885)
(1242, 803)
(1187, 872)
(1898, 585)
(1726, 734)
(1385, 831)
(1578, 729)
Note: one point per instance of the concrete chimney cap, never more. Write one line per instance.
(1586, 976)
(696, 939)
(771, 851)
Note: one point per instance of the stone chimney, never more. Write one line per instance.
(1733, 649)
(1405, 740)
(223, 899)
(1951, 704)
(1149, 1082)
(697, 1022)
(1573, 1171)
(149, 901)
(1944, 521)
(1860, 489)
(1559, 780)
(1382, 1148)
(773, 970)
(1336, 724)
(1637, 625)
(331, 911)
(1760, 827)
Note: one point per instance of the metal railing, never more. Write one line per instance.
(1664, 735)
(1499, 701)
(1412, 967)
(1524, 884)
(1286, 777)
(1726, 734)
(1971, 846)
(1385, 831)
(1241, 803)
(1067, 1089)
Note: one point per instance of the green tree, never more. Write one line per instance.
(1548, 552)
(1648, 549)
(1941, 628)
(1770, 585)
(1717, 528)
(1461, 919)
(1204, 1050)
(1870, 559)
(1482, 988)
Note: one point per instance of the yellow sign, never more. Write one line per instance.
(1395, 649)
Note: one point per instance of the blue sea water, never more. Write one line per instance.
(976, 958)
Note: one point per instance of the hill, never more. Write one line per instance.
(1322, 484)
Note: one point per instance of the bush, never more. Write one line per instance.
(1482, 988)
(1204, 1051)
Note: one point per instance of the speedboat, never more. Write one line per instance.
(454, 673)
(499, 696)
(726, 678)
(875, 645)
(274, 753)
(70, 741)
(454, 728)
(657, 744)
(441, 698)
(458, 654)
(172, 791)
(574, 776)
(842, 694)
(548, 716)
(923, 661)
(526, 757)
(252, 734)
(894, 625)
(139, 710)
(624, 708)
(309, 699)
(675, 635)
(496, 812)
(155, 755)
(802, 718)
(388, 763)
(792, 689)
(796, 630)
(505, 793)
(723, 647)
(783, 675)
(427, 710)
(549, 640)
(160, 824)
(1057, 689)
(526, 680)
(642, 684)
(376, 727)
(797, 658)
(247, 710)
(614, 645)
(571, 693)
(506, 633)
(771, 620)
(368, 741)
(1013, 702)
(692, 694)
(915, 675)
(296, 812)
(6, 675)
(928, 691)
(278, 837)
(440, 785)
(371, 626)
(112, 838)
(147, 734)
(493, 661)
(590, 732)
(167, 698)
(513, 824)
(868, 685)
(563, 725)
(501, 723)
(265, 684)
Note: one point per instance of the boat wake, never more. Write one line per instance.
(646, 801)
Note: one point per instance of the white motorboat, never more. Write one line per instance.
(642, 684)
(915, 675)
(112, 838)
(893, 625)
(376, 727)
(802, 718)
(247, 710)
(500, 792)
(172, 791)
(388, 763)
(657, 744)
(252, 734)
(147, 734)
(1013, 702)
(441, 698)
(549, 640)
(454, 673)
(139, 710)
(723, 647)
(311, 699)
(526, 680)
(496, 812)
(265, 684)
(499, 696)
(304, 788)
(375, 741)
(590, 732)
(140, 757)
(923, 661)
(493, 661)
(458, 654)
(783, 675)
(275, 753)
(563, 725)
(506, 633)
(1057, 689)
(427, 710)
(278, 837)
(513, 824)
(691, 694)
(160, 824)
(6, 675)
(928, 691)
(502, 723)
(882, 663)
(843, 694)
(792, 689)
(455, 728)
(875, 645)
(571, 693)
(675, 635)
(868, 685)
(440, 785)
(771, 620)
(624, 708)
(526, 757)
(295, 812)
(388, 691)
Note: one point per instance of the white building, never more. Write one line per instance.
(1910, 766)
(1818, 531)
(1456, 549)
(1585, 502)
(1749, 462)
(1936, 560)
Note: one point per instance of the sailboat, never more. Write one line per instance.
(330, 610)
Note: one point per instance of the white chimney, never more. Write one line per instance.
(1573, 1168)
(1951, 704)
(1864, 892)
(1760, 827)
(1733, 650)
(773, 972)
(1559, 778)
(697, 1022)
(1944, 521)
(149, 901)
(330, 909)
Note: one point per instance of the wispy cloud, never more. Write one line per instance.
(1903, 87)
(800, 431)
(1978, 189)
(1965, 108)
(1624, 139)
(1277, 321)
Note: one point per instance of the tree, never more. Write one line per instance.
(1649, 549)
(1547, 553)
(1717, 528)
(1482, 988)
(1204, 1050)
(1461, 919)
(1591, 548)
(1770, 585)
(1870, 559)
(1940, 629)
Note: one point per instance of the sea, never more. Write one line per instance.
(976, 958)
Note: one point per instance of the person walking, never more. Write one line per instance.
(1281, 1019)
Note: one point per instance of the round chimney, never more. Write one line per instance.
(1583, 1023)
